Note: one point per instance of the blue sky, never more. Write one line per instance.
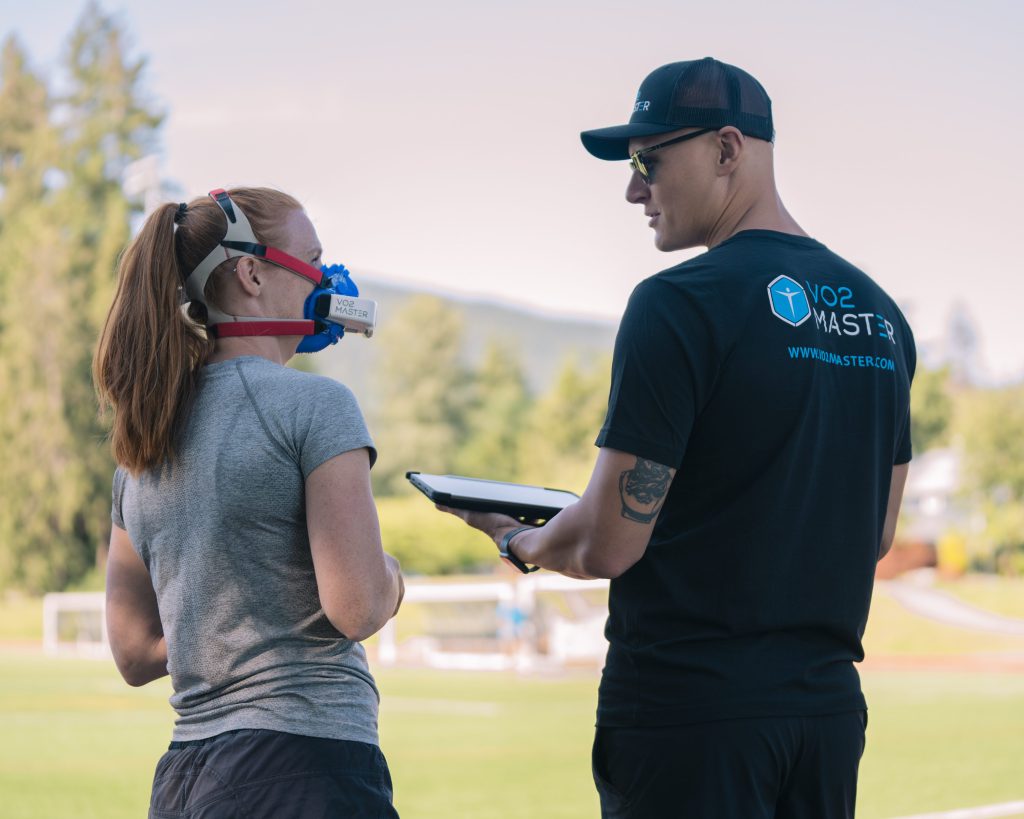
(438, 143)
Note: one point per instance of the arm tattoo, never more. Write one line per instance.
(643, 489)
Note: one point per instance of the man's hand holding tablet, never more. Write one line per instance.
(497, 508)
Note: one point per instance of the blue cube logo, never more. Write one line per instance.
(788, 301)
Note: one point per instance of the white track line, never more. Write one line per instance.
(983, 812)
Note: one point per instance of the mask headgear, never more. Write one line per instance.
(333, 307)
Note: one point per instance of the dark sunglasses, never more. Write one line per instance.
(638, 163)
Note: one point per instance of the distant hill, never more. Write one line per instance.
(543, 340)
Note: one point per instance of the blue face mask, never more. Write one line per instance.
(335, 309)
(332, 308)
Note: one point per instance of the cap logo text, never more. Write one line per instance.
(641, 105)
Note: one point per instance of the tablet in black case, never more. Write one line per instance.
(533, 504)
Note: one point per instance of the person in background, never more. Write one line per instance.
(749, 476)
(245, 556)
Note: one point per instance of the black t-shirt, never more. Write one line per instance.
(775, 377)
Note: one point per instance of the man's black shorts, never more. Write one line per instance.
(782, 767)
(256, 774)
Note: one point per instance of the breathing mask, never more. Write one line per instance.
(333, 307)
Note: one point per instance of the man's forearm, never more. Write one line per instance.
(565, 545)
(602, 535)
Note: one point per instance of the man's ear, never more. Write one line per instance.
(731, 145)
(248, 275)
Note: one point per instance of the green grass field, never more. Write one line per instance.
(76, 742)
(1002, 595)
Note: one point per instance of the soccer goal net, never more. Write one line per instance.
(529, 623)
(75, 624)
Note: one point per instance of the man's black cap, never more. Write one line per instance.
(697, 93)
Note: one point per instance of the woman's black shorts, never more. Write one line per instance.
(252, 774)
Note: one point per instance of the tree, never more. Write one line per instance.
(428, 542)
(931, 409)
(108, 125)
(498, 406)
(993, 431)
(558, 440)
(420, 423)
(993, 435)
(63, 221)
(27, 140)
(37, 517)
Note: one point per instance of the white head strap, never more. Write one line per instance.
(239, 231)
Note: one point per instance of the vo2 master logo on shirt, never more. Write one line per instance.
(834, 309)
(788, 301)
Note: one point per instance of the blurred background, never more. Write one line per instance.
(436, 149)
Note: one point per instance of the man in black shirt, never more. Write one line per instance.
(749, 476)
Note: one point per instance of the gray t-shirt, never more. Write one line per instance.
(222, 531)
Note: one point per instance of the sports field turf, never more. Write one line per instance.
(76, 742)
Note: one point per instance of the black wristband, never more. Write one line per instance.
(506, 553)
